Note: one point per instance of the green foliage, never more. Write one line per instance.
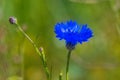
(98, 59)
(14, 78)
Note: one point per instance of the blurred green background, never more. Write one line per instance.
(98, 59)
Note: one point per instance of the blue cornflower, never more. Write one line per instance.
(72, 33)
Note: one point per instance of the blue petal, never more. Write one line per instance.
(73, 33)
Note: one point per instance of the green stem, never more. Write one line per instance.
(41, 54)
(67, 66)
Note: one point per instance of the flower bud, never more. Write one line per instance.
(60, 76)
(13, 20)
(41, 49)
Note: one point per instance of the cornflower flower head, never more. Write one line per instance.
(72, 33)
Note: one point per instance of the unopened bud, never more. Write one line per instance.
(13, 20)
(41, 49)
(60, 76)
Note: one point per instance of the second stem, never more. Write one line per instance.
(41, 54)
(67, 66)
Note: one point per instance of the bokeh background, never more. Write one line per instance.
(98, 59)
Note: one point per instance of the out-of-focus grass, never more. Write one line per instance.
(99, 59)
